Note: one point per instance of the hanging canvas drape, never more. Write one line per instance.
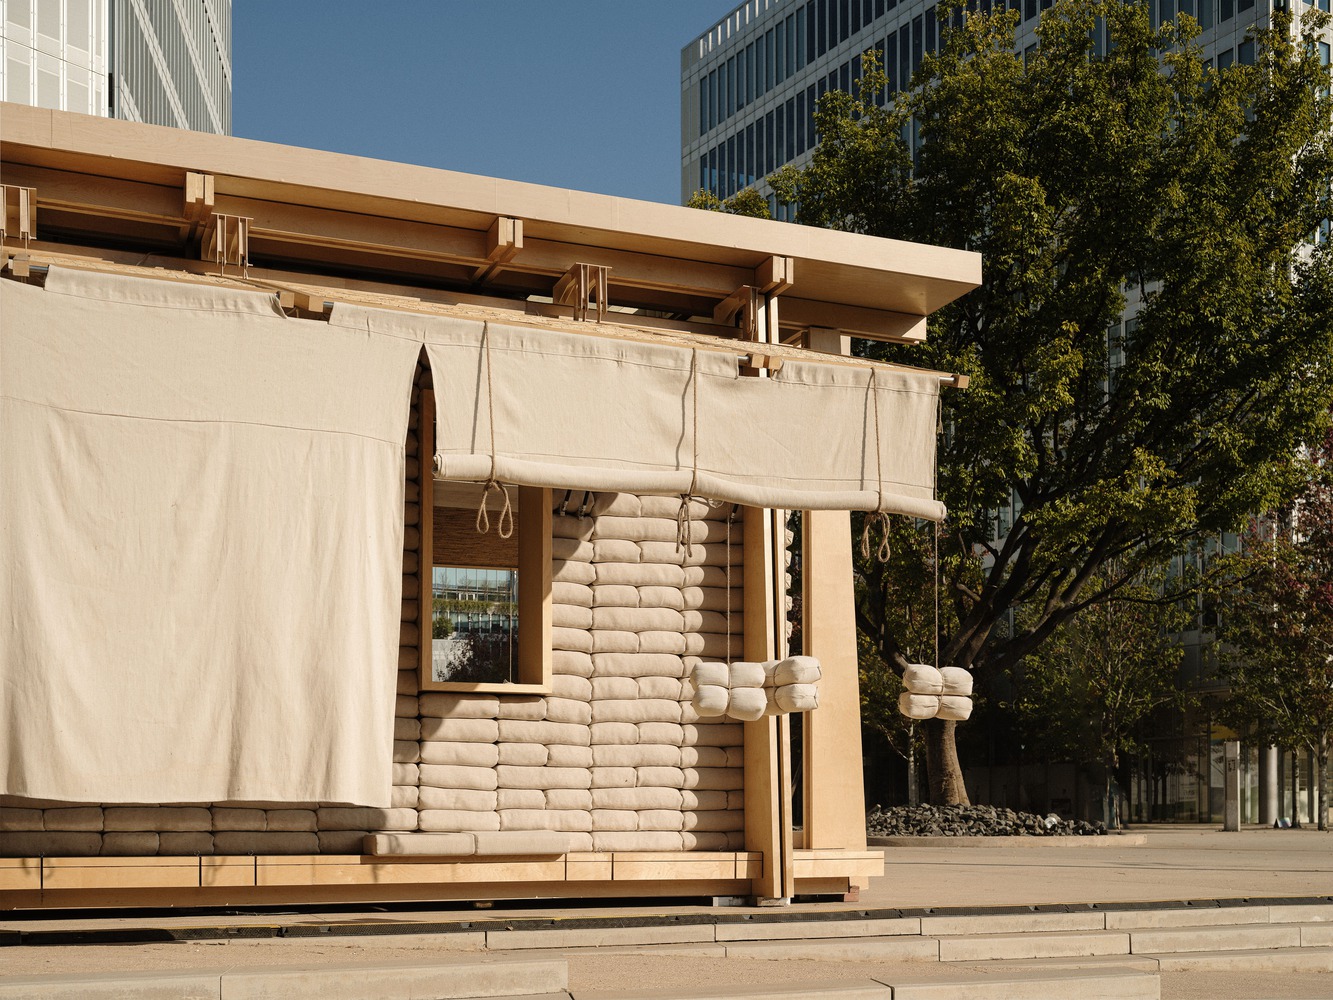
(201, 533)
(201, 510)
(541, 407)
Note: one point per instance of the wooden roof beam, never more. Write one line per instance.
(868, 324)
(503, 242)
(199, 201)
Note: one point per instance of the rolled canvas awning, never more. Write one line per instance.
(201, 510)
(543, 408)
(201, 533)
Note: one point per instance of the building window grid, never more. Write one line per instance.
(787, 46)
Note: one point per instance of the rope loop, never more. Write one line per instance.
(876, 516)
(883, 552)
(683, 541)
(504, 525)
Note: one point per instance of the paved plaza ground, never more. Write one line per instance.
(1164, 865)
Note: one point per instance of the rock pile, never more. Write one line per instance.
(972, 821)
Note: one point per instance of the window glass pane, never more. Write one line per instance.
(1245, 53)
(1227, 9)
(821, 27)
(791, 129)
(474, 627)
(474, 591)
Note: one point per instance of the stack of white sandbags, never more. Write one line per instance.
(930, 693)
(749, 691)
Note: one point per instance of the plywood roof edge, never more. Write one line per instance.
(950, 272)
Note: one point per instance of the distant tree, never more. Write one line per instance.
(1276, 623)
(1090, 690)
(1081, 178)
(747, 201)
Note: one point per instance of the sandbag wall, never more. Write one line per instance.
(615, 756)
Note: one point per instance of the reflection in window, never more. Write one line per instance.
(474, 624)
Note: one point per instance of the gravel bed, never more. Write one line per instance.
(972, 821)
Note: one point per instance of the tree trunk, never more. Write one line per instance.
(1295, 791)
(1323, 782)
(1106, 787)
(946, 776)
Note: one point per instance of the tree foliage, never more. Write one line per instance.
(1090, 691)
(1276, 620)
(747, 202)
(1142, 179)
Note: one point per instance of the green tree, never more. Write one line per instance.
(747, 201)
(1089, 691)
(1276, 623)
(1090, 183)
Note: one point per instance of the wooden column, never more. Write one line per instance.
(834, 789)
(767, 768)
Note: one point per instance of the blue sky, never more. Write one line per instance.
(574, 93)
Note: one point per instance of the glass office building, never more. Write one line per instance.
(166, 62)
(750, 84)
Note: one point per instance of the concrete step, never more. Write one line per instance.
(597, 937)
(889, 949)
(1163, 940)
(1248, 960)
(867, 989)
(1085, 984)
(1098, 984)
(464, 980)
(1033, 944)
(1011, 923)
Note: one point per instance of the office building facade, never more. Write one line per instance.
(165, 62)
(751, 83)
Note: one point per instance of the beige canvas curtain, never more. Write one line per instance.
(201, 526)
(544, 408)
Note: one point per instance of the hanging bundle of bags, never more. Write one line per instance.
(749, 691)
(936, 693)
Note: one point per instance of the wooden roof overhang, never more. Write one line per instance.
(160, 196)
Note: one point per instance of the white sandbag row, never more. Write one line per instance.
(931, 693)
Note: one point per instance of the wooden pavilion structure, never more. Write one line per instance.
(228, 370)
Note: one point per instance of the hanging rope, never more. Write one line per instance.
(505, 524)
(939, 430)
(937, 595)
(683, 540)
(876, 516)
(730, 518)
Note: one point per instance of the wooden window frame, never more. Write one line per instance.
(533, 523)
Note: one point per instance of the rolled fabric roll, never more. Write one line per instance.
(954, 707)
(747, 704)
(770, 667)
(797, 697)
(918, 706)
(796, 670)
(711, 700)
(957, 681)
(747, 675)
(922, 678)
(716, 674)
